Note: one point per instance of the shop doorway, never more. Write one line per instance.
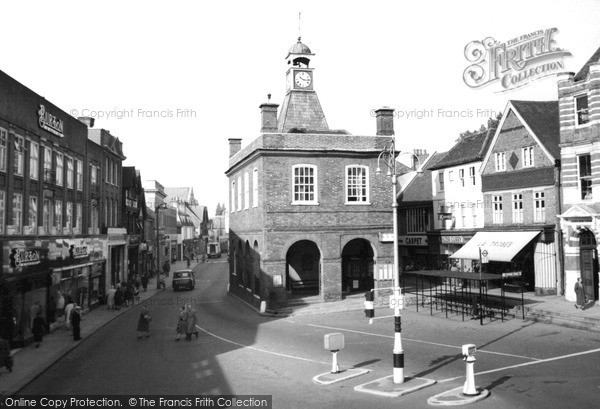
(589, 264)
(357, 266)
(303, 268)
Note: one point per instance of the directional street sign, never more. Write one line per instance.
(484, 256)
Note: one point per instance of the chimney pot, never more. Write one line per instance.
(235, 145)
(385, 121)
(268, 117)
(88, 120)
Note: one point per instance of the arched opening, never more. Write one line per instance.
(588, 256)
(256, 268)
(303, 268)
(357, 266)
(248, 268)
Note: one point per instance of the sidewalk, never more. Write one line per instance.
(30, 362)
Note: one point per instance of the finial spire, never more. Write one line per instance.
(299, 24)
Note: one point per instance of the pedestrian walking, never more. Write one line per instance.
(143, 328)
(33, 312)
(110, 297)
(118, 297)
(5, 358)
(580, 292)
(38, 328)
(190, 320)
(181, 323)
(145, 281)
(68, 312)
(76, 322)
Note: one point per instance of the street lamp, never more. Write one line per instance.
(163, 205)
(389, 159)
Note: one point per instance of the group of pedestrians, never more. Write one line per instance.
(125, 295)
(187, 323)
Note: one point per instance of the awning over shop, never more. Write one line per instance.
(499, 245)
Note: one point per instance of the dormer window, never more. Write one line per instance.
(581, 107)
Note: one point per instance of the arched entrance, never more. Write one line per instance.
(303, 268)
(357, 266)
(589, 264)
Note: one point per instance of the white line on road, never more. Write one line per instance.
(540, 361)
(262, 350)
(416, 340)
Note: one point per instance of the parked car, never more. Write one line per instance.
(183, 279)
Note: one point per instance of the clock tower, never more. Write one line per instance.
(301, 110)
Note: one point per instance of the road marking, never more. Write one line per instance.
(416, 340)
(540, 361)
(262, 350)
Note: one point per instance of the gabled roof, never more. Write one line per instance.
(468, 149)
(180, 192)
(419, 189)
(542, 118)
(584, 71)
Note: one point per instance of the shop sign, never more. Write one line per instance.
(77, 252)
(386, 237)
(453, 239)
(412, 240)
(49, 122)
(23, 258)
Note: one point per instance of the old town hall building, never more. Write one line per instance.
(308, 213)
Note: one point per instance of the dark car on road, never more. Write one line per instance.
(183, 279)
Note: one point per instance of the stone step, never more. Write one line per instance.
(564, 320)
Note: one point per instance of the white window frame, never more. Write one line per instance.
(528, 157)
(48, 215)
(450, 176)
(417, 220)
(587, 178)
(70, 171)
(362, 199)
(79, 181)
(78, 217)
(582, 115)
(2, 212)
(17, 212)
(58, 217)
(233, 196)
(461, 177)
(239, 194)
(497, 212)
(255, 187)
(539, 206)
(246, 191)
(314, 186)
(472, 175)
(517, 208)
(19, 155)
(69, 216)
(34, 160)
(500, 161)
(441, 181)
(33, 214)
(59, 169)
(3, 149)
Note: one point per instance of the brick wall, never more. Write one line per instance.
(528, 207)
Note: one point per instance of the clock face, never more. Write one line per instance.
(302, 79)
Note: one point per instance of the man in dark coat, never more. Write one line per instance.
(119, 297)
(38, 328)
(76, 323)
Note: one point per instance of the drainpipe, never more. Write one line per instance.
(560, 260)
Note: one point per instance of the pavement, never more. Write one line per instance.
(30, 362)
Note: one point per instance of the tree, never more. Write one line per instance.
(491, 123)
(220, 209)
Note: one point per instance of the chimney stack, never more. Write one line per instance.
(268, 117)
(385, 121)
(419, 157)
(235, 145)
(88, 120)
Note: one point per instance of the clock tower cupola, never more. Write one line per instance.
(301, 110)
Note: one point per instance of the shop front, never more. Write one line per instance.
(444, 244)
(23, 288)
(414, 252)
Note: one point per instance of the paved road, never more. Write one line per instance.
(240, 352)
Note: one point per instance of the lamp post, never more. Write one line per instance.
(163, 205)
(389, 156)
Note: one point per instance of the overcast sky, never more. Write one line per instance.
(207, 66)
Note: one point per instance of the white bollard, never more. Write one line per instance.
(335, 368)
(469, 388)
(263, 307)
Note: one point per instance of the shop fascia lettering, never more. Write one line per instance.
(23, 257)
(494, 243)
(49, 122)
(78, 251)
